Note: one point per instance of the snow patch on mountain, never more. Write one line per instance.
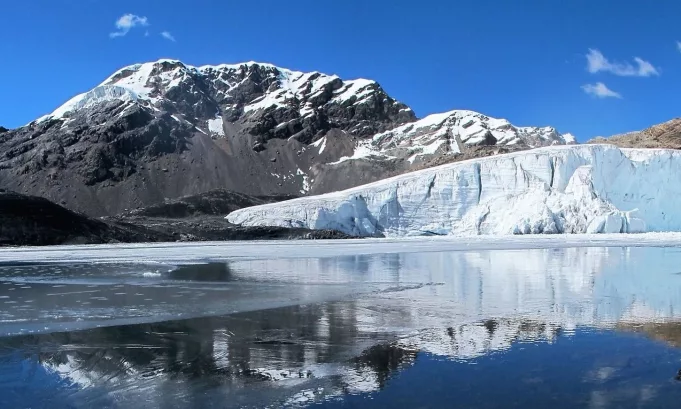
(358, 89)
(321, 144)
(363, 150)
(557, 189)
(137, 81)
(97, 95)
(569, 138)
(305, 184)
(277, 99)
(215, 126)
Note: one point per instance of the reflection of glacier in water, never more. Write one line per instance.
(574, 286)
(459, 305)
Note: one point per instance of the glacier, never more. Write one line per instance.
(95, 96)
(550, 190)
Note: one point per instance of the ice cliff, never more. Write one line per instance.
(557, 189)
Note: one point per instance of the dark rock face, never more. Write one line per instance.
(202, 217)
(488, 140)
(212, 203)
(34, 221)
(321, 109)
(188, 130)
(216, 228)
(29, 220)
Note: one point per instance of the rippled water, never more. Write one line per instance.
(577, 327)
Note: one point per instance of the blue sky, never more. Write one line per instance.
(524, 60)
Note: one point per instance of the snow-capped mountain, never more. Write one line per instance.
(453, 133)
(165, 129)
(204, 95)
(450, 130)
(558, 189)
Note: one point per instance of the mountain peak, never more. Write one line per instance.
(153, 84)
(452, 131)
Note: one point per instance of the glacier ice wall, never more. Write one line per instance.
(557, 189)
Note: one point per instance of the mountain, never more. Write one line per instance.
(456, 131)
(164, 129)
(665, 135)
(557, 189)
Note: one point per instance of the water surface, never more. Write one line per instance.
(577, 327)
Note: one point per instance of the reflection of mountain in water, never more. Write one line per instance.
(459, 305)
(311, 345)
(310, 348)
(569, 287)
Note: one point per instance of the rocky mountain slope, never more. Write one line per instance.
(557, 189)
(35, 221)
(201, 217)
(165, 129)
(30, 220)
(212, 203)
(665, 135)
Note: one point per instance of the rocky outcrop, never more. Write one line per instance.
(212, 203)
(666, 135)
(35, 221)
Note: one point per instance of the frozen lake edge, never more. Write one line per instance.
(193, 252)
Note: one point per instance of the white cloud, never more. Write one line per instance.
(168, 36)
(597, 62)
(678, 45)
(599, 90)
(127, 22)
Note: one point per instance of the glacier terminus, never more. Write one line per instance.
(555, 189)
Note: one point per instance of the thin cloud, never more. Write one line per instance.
(678, 46)
(127, 22)
(599, 90)
(596, 62)
(167, 36)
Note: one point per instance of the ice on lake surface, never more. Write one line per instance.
(380, 324)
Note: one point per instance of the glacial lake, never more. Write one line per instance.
(409, 324)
